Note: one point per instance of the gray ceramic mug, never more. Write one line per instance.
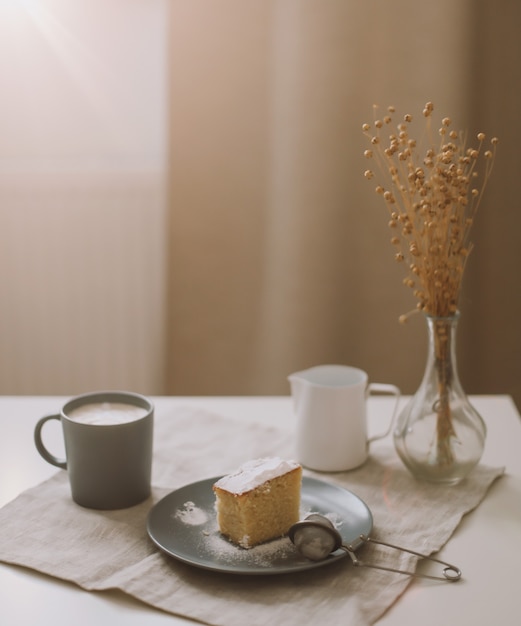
(108, 448)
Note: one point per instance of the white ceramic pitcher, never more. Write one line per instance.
(330, 404)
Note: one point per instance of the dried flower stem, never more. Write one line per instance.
(443, 366)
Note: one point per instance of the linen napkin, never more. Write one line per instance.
(45, 530)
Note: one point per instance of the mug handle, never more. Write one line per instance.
(50, 458)
(384, 389)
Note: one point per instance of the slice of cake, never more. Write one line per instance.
(258, 502)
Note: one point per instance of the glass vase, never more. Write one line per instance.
(439, 435)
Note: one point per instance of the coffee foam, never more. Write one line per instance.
(106, 413)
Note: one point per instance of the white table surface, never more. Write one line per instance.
(486, 545)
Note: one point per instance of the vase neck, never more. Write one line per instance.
(441, 356)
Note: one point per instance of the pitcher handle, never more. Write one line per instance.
(385, 389)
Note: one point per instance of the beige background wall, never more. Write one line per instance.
(83, 106)
(279, 249)
(182, 201)
(491, 359)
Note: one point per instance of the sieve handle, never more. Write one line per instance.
(450, 572)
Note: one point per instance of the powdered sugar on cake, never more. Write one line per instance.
(252, 474)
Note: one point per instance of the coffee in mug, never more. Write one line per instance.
(108, 448)
(106, 413)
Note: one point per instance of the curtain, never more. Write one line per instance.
(279, 252)
(82, 179)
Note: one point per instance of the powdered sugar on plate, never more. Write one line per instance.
(191, 514)
(262, 555)
(214, 544)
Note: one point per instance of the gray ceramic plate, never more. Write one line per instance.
(183, 524)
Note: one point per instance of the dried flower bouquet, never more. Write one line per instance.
(432, 190)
